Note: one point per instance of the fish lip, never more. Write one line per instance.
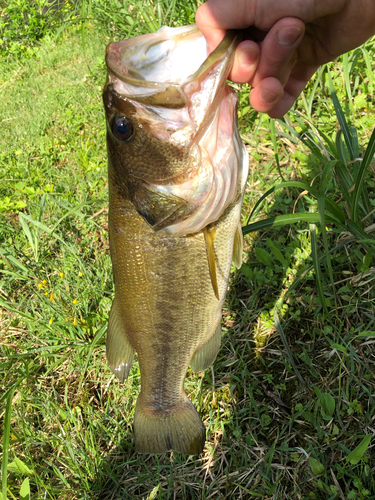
(167, 94)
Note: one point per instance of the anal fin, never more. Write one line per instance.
(209, 236)
(120, 353)
(206, 355)
(238, 247)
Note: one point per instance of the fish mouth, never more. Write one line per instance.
(159, 68)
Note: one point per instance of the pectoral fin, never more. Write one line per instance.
(238, 247)
(206, 355)
(120, 353)
(209, 236)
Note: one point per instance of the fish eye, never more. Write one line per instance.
(122, 128)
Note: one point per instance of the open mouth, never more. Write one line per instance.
(171, 55)
(163, 68)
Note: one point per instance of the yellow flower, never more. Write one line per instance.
(75, 301)
(75, 321)
(45, 293)
(40, 285)
(61, 275)
(44, 282)
(80, 274)
(51, 298)
(66, 319)
(50, 321)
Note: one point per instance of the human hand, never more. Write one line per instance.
(286, 41)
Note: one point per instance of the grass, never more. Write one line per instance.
(289, 404)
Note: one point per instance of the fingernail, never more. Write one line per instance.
(288, 36)
(267, 97)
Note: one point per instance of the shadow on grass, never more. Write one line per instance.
(262, 423)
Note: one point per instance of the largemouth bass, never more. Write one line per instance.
(177, 173)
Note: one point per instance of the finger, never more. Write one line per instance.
(214, 17)
(283, 106)
(246, 62)
(279, 50)
(295, 85)
(266, 95)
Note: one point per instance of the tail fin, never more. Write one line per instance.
(181, 429)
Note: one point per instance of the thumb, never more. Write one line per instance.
(215, 17)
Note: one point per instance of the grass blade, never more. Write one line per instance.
(281, 220)
(31, 237)
(318, 273)
(98, 336)
(42, 206)
(314, 147)
(369, 156)
(160, 14)
(340, 147)
(341, 118)
(369, 72)
(317, 147)
(36, 223)
(354, 134)
(335, 211)
(4, 465)
(346, 70)
(309, 102)
(25, 490)
(274, 142)
(355, 456)
(323, 187)
(9, 307)
(360, 234)
(14, 261)
(147, 14)
(321, 212)
(50, 232)
(346, 182)
(277, 253)
(170, 11)
(280, 330)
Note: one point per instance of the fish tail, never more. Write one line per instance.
(180, 429)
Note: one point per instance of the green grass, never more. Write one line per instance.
(289, 405)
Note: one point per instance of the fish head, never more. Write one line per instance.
(173, 145)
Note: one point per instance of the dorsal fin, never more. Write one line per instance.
(209, 236)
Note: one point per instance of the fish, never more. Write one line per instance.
(177, 171)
